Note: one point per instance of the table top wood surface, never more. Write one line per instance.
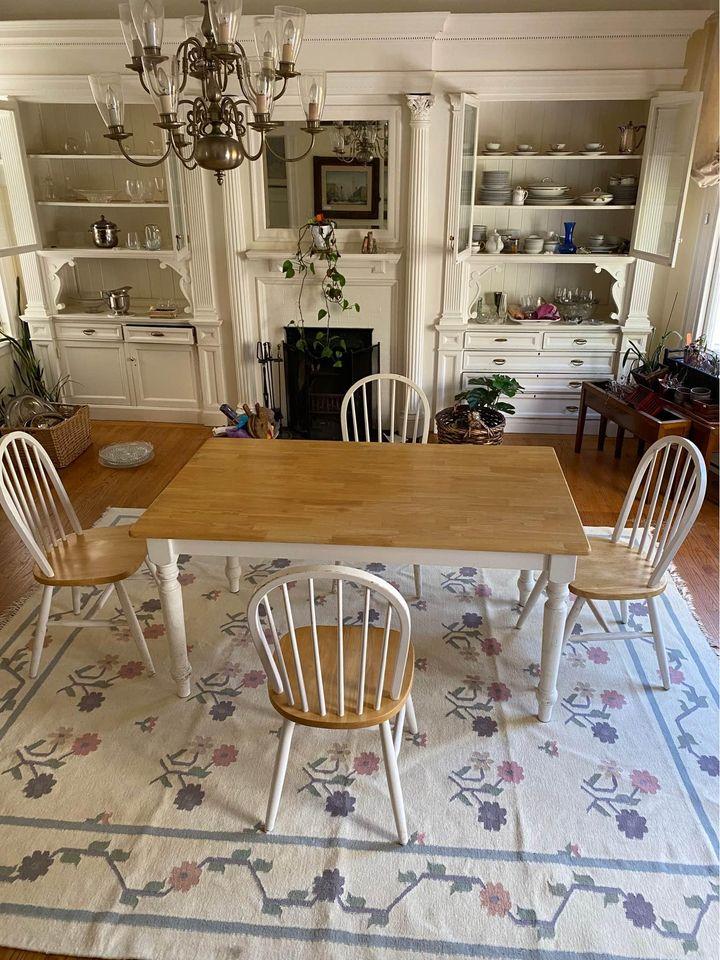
(433, 496)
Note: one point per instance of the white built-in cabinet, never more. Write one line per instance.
(551, 361)
(131, 367)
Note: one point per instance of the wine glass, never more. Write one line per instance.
(135, 190)
(159, 183)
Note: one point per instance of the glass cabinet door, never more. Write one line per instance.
(468, 164)
(176, 199)
(669, 142)
(18, 223)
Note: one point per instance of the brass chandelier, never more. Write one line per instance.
(211, 130)
(359, 141)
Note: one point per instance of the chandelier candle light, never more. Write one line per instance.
(212, 130)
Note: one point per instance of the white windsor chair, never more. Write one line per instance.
(38, 507)
(670, 482)
(339, 677)
(360, 418)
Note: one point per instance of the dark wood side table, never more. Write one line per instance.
(645, 426)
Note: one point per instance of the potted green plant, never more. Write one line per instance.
(478, 415)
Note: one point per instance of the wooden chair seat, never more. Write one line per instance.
(613, 572)
(95, 556)
(327, 638)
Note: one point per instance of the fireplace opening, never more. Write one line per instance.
(314, 388)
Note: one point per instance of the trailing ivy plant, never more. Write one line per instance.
(322, 345)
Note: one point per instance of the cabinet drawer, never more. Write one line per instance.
(502, 360)
(158, 334)
(88, 331)
(579, 340)
(593, 364)
(515, 340)
(565, 407)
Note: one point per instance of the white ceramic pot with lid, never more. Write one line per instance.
(547, 188)
(596, 197)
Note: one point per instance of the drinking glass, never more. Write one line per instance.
(159, 183)
(135, 190)
(153, 238)
(133, 241)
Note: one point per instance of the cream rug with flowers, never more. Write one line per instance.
(129, 818)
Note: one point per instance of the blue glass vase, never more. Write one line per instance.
(567, 245)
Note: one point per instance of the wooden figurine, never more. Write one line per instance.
(261, 423)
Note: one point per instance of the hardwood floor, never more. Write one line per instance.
(598, 483)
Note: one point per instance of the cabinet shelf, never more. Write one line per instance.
(554, 206)
(110, 203)
(90, 156)
(550, 258)
(565, 156)
(118, 253)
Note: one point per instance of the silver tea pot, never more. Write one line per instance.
(118, 300)
(629, 139)
(104, 233)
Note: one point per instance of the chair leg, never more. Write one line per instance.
(135, 629)
(278, 778)
(540, 585)
(40, 628)
(573, 616)
(76, 600)
(659, 642)
(410, 716)
(399, 729)
(417, 571)
(623, 611)
(598, 615)
(525, 584)
(152, 567)
(393, 779)
(233, 572)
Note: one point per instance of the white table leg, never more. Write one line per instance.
(525, 584)
(162, 553)
(233, 572)
(561, 571)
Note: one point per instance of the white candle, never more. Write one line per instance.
(150, 28)
(268, 62)
(287, 52)
(313, 110)
(261, 103)
(113, 107)
(224, 32)
(165, 103)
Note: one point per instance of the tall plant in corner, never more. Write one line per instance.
(316, 246)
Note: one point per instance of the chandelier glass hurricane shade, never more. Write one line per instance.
(212, 128)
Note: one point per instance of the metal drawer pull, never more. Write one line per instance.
(89, 332)
(579, 340)
(575, 383)
(572, 409)
(155, 333)
(500, 339)
(577, 363)
(499, 362)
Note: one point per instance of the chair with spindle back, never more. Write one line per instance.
(37, 505)
(669, 485)
(339, 677)
(360, 418)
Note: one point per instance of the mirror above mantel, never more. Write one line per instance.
(350, 174)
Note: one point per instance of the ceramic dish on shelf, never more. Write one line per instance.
(593, 153)
(495, 153)
(525, 153)
(95, 196)
(550, 201)
(559, 153)
(547, 188)
(596, 198)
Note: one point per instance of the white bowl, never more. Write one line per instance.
(592, 147)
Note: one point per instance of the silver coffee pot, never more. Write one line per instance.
(118, 300)
(629, 139)
(104, 233)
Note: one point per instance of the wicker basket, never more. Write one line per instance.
(459, 424)
(65, 441)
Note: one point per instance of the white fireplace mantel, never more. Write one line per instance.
(358, 262)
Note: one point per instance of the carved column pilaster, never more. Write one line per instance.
(453, 309)
(420, 106)
(241, 316)
(641, 289)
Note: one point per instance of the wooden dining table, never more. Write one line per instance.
(323, 501)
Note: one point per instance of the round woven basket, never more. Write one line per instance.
(459, 424)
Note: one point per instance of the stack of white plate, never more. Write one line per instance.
(547, 193)
(495, 188)
(623, 195)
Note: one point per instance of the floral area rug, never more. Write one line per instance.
(129, 819)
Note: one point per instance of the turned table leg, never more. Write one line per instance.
(525, 584)
(554, 618)
(162, 554)
(233, 572)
